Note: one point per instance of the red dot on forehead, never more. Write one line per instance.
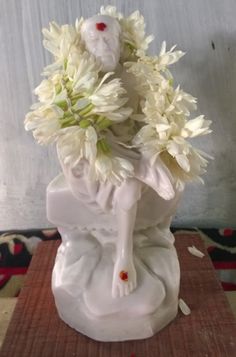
(100, 26)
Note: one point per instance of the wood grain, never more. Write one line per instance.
(36, 330)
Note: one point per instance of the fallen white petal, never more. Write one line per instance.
(194, 251)
(184, 307)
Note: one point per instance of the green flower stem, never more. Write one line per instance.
(63, 126)
(103, 147)
(100, 119)
(84, 123)
(58, 88)
(65, 63)
(104, 123)
(62, 104)
(67, 114)
(86, 110)
(130, 45)
(69, 88)
(75, 97)
(171, 81)
(69, 121)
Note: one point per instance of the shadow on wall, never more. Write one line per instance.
(208, 72)
(217, 80)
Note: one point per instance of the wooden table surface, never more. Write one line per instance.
(36, 330)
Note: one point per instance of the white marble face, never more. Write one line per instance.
(101, 35)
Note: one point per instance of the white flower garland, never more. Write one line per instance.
(79, 107)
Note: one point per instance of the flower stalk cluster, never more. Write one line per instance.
(166, 124)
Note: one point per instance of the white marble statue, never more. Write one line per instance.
(116, 275)
(121, 128)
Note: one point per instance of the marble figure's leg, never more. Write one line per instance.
(124, 274)
(79, 254)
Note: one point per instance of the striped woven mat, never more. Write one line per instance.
(17, 248)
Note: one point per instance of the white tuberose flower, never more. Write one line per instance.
(152, 73)
(180, 102)
(108, 100)
(111, 11)
(166, 58)
(45, 123)
(133, 33)
(47, 90)
(77, 143)
(112, 169)
(61, 41)
(83, 71)
(184, 162)
(196, 127)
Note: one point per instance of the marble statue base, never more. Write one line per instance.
(82, 279)
(83, 270)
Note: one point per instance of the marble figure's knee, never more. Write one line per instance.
(128, 194)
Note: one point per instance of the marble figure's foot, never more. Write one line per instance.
(124, 277)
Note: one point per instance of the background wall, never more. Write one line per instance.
(205, 29)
